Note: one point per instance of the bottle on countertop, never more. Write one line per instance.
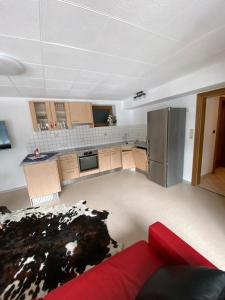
(36, 152)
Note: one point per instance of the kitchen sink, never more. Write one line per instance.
(43, 156)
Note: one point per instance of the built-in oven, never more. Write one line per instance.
(88, 160)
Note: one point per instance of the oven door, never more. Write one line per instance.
(88, 162)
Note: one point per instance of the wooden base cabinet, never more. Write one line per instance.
(116, 158)
(140, 158)
(69, 168)
(42, 179)
(109, 159)
(128, 159)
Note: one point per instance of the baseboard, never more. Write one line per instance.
(13, 190)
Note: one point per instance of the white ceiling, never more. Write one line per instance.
(107, 49)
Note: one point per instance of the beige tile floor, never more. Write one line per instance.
(214, 182)
(197, 215)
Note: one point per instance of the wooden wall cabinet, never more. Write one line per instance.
(50, 115)
(140, 159)
(80, 113)
(42, 179)
(69, 168)
(60, 115)
(128, 159)
(41, 115)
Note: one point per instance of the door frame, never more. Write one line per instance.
(199, 132)
(218, 133)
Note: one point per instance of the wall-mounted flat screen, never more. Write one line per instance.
(4, 137)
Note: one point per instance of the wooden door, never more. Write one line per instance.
(60, 115)
(80, 113)
(116, 160)
(128, 159)
(41, 115)
(219, 156)
(104, 160)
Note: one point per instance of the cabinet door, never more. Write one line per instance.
(81, 113)
(104, 160)
(116, 161)
(41, 115)
(60, 115)
(42, 179)
(140, 158)
(128, 159)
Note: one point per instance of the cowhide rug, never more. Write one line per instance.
(41, 249)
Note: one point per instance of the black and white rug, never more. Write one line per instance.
(41, 249)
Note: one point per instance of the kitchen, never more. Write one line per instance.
(90, 144)
(76, 142)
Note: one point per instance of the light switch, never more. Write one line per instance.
(191, 133)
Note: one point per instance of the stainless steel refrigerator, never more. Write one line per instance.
(165, 144)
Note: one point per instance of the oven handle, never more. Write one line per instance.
(88, 156)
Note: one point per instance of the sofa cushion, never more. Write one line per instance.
(184, 282)
(120, 277)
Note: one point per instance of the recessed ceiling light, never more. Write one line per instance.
(10, 66)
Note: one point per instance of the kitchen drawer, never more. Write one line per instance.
(70, 174)
(127, 147)
(104, 150)
(115, 149)
(68, 164)
(68, 156)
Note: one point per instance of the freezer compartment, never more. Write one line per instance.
(157, 172)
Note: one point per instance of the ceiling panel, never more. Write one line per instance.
(152, 15)
(104, 6)
(199, 19)
(77, 27)
(32, 92)
(51, 72)
(28, 82)
(78, 94)
(8, 91)
(57, 93)
(4, 81)
(20, 18)
(22, 49)
(107, 49)
(87, 76)
(58, 84)
(72, 58)
(124, 40)
(31, 71)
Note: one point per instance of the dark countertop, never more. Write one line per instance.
(52, 155)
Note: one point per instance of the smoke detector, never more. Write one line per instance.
(10, 66)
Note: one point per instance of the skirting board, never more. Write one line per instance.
(14, 189)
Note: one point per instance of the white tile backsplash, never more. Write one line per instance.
(84, 136)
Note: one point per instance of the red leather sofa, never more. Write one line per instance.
(123, 275)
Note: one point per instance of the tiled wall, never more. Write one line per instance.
(84, 136)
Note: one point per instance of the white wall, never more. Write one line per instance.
(204, 79)
(212, 106)
(139, 116)
(15, 111)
